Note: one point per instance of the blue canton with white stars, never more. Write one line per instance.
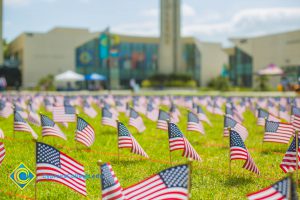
(47, 154)
(106, 113)
(236, 140)
(133, 114)
(46, 121)
(295, 111)
(149, 107)
(123, 131)
(81, 124)
(174, 131)
(271, 126)
(229, 122)
(283, 186)
(18, 117)
(262, 114)
(163, 115)
(199, 109)
(292, 147)
(69, 110)
(107, 179)
(193, 118)
(176, 176)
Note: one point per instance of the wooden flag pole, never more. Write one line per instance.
(35, 183)
(297, 155)
(99, 163)
(229, 129)
(170, 153)
(76, 146)
(190, 178)
(118, 140)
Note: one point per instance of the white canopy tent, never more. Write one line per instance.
(271, 69)
(69, 76)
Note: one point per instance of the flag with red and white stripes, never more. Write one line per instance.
(2, 152)
(64, 113)
(85, 133)
(278, 132)
(296, 122)
(55, 166)
(49, 128)
(171, 183)
(288, 163)
(111, 188)
(177, 141)
(263, 115)
(231, 123)
(238, 151)
(162, 122)
(108, 118)
(194, 124)
(283, 189)
(126, 140)
(136, 121)
(22, 126)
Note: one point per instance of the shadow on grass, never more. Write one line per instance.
(237, 180)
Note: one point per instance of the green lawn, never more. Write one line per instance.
(210, 178)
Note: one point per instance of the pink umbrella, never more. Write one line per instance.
(271, 69)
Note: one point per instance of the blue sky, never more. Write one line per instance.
(213, 20)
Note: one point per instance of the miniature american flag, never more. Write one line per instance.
(126, 140)
(53, 165)
(296, 122)
(171, 183)
(107, 118)
(21, 125)
(111, 188)
(152, 112)
(2, 152)
(34, 118)
(294, 111)
(278, 132)
(6, 109)
(49, 128)
(238, 151)
(283, 189)
(194, 124)
(283, 113)
(177, 141)
(162, 120)
(136, 121)
(202, 116)
(89, 110)
(85, 133)
(1, 134)
(66, 113)
(288, 163)
(229, 122)
(263, 115)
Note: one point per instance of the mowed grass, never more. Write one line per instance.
(210, 178)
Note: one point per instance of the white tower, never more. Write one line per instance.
(170, 37)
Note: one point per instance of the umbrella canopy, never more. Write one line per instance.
(95, 77)
(271, 69)
(69, 76)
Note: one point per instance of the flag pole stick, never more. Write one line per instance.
(76, 146)
(14, 135)
(229, 129)
(99, 163)
(190, 177)
(297, 156)
(35, 183)
(118, 140)
(170, 153)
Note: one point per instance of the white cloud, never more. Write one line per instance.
(16, 2)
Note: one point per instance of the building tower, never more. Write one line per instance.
(170, 37)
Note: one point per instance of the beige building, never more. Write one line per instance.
(282, 49)
(41, 54)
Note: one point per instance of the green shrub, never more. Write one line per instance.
(219, 83)
(46, 83)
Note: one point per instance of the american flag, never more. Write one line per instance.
(162, 120)
(89, 110)
(34, 118)
(202, 116)
(272, 108)
(65, 113)
(171, 183)
(126, 140)
(283, 189)
(48, 105)
(49, 128)
(6, 109)
(2, 152)
(296, 122)
(263, 115)
(121, 106)
(278, 132)
(53, 165)
(233, 112)
(194, 124)
(283, 113)
(21, 125)
(294, 111)
(107, 118)
(152, 112)
(85, 133)
(21, 111)
(229, 122)
(238, 151)
(1, 134)
(288, 163)
(136, 121)
(217, 108)
(177, 141)
(111, 188)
